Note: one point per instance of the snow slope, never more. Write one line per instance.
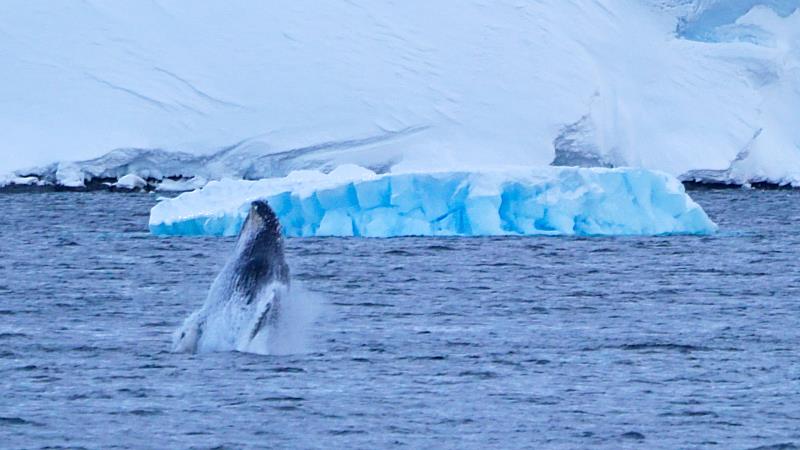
(696, 88)
(352, 201)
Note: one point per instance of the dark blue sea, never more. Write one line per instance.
(464, 343)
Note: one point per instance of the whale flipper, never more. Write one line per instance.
(244, 301)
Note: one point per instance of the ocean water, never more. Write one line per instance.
(660, 342)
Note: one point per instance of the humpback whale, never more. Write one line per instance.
(244, 302)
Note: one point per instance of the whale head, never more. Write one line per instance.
(259, 255)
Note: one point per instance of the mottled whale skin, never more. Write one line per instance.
(244, 301)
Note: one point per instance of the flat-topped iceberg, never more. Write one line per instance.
(352, 201)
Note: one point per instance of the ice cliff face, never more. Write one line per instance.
(696, 88)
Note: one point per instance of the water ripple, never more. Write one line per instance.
(658, 342)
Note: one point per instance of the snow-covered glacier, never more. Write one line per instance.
(700, 89)
(353, 201)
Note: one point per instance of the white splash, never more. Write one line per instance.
(293, 331)
(227, 325)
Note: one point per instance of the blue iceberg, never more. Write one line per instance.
(352, 201)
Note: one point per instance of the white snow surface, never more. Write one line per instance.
(353, 201)
(243, 89)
